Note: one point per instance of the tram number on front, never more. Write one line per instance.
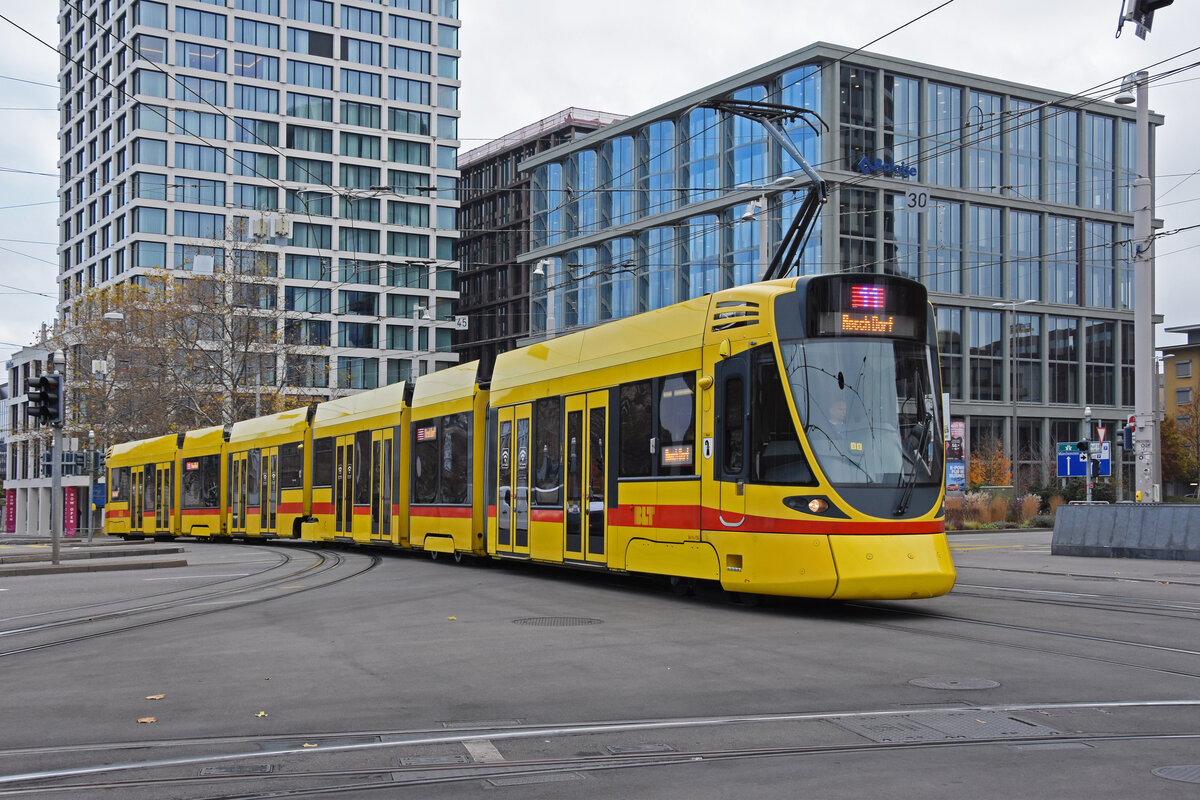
(916, 199)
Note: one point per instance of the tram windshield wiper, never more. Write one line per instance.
(914, 446)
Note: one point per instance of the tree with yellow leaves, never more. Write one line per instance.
(174, 350)
(989, 466)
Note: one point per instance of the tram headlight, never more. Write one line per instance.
(817, 505)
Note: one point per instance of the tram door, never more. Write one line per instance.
(731, 465)
(268, 508)
(512, 497)
(239, 491)
(166, 498)
(587, 470)
(343, 485)
(381, 484)
(137, 485)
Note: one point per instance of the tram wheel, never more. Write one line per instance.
(683, 587)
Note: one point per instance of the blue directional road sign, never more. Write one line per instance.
(1074, 464)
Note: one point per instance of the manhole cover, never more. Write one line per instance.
(944, 682)
(557, 622)
(1188, 774)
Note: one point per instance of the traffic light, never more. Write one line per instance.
(45, 399)
(1127, 437)
(1081, 446)
(1141, 13)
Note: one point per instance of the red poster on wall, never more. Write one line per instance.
(10, 511)
(70, 500)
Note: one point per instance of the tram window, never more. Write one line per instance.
(677, 425)
(547, 448)
(455, 458)
(323, 462)
(148, 488)
(776, 456)
(425, 462)
(636, 423)
(200, 478)
(120, 484)
(252, 488)
(362, 472)
(291, 466)
(734, 428)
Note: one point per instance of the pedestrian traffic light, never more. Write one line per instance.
(45, 399)
(1127, 437)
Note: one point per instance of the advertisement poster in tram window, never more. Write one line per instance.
(70, 498)
(10, 511)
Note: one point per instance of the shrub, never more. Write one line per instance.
(975, 506)
(954, 512)
(1055, 502)
(997, 509)
(1041, 521)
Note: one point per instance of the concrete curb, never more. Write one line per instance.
(76, 554)
(10, 570)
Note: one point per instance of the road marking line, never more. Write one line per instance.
(482, 750)
(196, 577)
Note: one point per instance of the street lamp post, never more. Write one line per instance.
(1011, 305)
(1087, 439)
(760, 208)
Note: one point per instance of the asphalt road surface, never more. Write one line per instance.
(280, 671)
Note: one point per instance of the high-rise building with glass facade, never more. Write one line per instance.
(991, 193)
(323, 131)
(494, 219)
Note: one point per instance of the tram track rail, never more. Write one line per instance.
(1065, 635)
(332, 780)
(134, 613)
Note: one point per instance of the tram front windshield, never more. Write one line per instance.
(867, 408)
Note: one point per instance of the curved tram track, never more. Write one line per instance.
(317, 568)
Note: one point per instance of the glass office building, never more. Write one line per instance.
(989, 192)
(323, 131)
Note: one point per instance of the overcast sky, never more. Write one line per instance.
(527, 59)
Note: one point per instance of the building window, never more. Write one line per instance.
(986, 348)
(986, 265)
(857, 115)
(306, 299)
(1062, 260)
(859, 229)
(1027, 350)
(1063, 360)
(358, 373)
(308, 106)
(1183, 396)
(1183, 369)
(1062, 156)
(943, 235)
(255, 65)
(945, 135)
(413, 30)
(1100, 355)
(200, 56)
(983, 142)
(363, 114)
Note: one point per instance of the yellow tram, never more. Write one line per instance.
(778, 438)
